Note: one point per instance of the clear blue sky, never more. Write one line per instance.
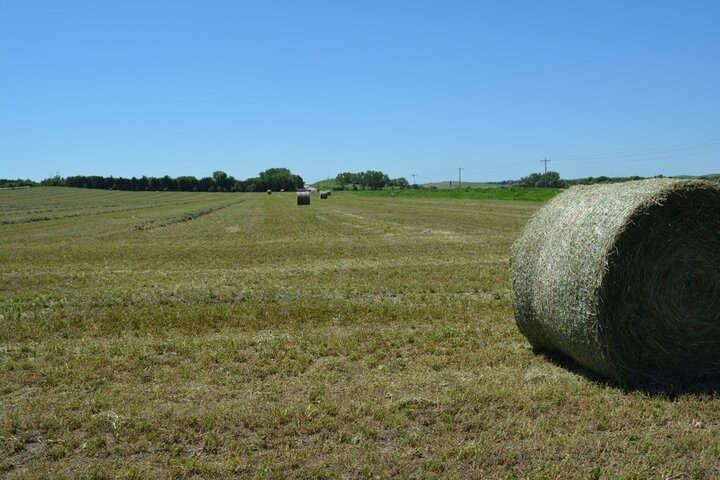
(131, 88)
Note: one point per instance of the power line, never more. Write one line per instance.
(706, 147)
(649, 158)
(678, 148)
(545, 162)
(695, 149)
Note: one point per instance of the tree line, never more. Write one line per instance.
(16, 183)
(370, 180)
(553, 180)
(271, 179)
(544, 180)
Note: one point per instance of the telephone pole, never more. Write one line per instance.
(413, 175)
(545, 177)
(460, 169)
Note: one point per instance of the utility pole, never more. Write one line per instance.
(460, 169)
(413, 175)
(545, 177)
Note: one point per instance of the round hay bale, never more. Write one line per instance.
(303, 198)
(625, 279)
(329, 193)
(269, 192)
(323, 195)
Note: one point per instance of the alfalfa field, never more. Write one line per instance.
(192, 335)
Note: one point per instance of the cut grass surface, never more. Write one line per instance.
(364, 337)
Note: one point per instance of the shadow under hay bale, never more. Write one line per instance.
(303, 198)
(625, 280)
(667, 390)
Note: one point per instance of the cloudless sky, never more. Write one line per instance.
(154, 87)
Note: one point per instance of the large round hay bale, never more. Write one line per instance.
(303, 198)
(625, 279)
(323, 195)
(269, 192)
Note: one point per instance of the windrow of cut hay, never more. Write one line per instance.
(152, 224)
(625, 279)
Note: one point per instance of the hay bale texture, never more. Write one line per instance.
(625, 279)
(303, 198)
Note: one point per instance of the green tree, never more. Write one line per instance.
(400, 182)
(220, 179)
(186, 184)
(277, 179)
(549, 180)
(371, 179)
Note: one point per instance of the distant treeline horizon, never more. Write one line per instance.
(553, 179)
(283, 179)
(271, 179)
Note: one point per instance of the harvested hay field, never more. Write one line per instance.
(625, 279)
(235, 344)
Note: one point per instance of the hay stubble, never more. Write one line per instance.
(231, 346)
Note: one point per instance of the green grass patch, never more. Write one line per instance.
(327, 184)
(489, 193)
(454, 184)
